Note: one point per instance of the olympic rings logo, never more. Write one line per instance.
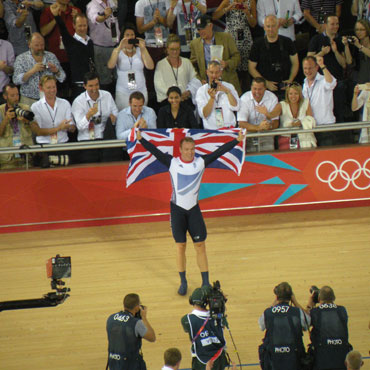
(344, 175)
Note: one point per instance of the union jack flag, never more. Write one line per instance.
(144, 164)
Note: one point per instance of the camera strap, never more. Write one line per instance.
(200, 330)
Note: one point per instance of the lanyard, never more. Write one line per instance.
(150, 3)
(256, 114)
(99, 105)
(191, 18)
(13, 122)
(308, 90)
(177, 71)
(55, 115)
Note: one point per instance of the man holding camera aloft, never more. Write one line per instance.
(329, 334)
(206, 333)
(282, 347)
(125, 331)
(217, 100)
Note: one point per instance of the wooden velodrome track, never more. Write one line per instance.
(248, 254)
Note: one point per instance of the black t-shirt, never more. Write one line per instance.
(320, 40)
(273, 58)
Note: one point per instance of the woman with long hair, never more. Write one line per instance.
(130, 57)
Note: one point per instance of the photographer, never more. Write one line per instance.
(282, 347)
(125, 331)
(206, 333)
(329, 334)
(15, 130)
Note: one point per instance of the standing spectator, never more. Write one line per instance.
(282, 346)
(217, 100)
(20, 23)
(130, 60)
(329, 45)
(361, 9)
(91, 111)
(329, 334)
(318, 89)
(125, 331)
(258, 113)
(202, 52)
(240, 18)
(151, 20)
(104, 32)
(14, 130)
(288, 13)
(186, 12)
(175, 71)
(316, 11)
(6, 63)
(136, 113)
(80, 51)
(361, 52)
(274, 58)
(176, 114)
(31, 65)
(359, 100)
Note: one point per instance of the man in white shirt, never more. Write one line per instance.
(54, 119)
(288, 13)
(172, 359)
(319, 90)
(218, 100)
(256, 115)
(91, 111)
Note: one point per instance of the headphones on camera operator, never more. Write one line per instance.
(199, 297)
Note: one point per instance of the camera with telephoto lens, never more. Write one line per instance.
(217, 301)
(314, 290)
(23, 113)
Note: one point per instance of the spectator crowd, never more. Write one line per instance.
(89, 70)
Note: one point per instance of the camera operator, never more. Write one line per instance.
(329, 334)
(206, 333)
(283, 346)
(15, 130)
(125, 331)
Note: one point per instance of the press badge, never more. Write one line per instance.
(17, 143)
(54, 138)
(91, 131)
(188, 33)
(219, 117)
(131, 80)
(294, 142)
(61, 45)
(158, 36)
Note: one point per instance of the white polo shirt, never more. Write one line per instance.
(221, 101)
(320, 95)
(48, 117)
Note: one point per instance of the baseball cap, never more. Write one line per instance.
(203, 21)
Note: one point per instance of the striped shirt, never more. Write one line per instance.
(323, 7)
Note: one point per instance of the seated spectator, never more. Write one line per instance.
(105, 33)
(361, 9)
(145, 117)
(176, 114)
(217, 100)
(315, 12)
(362, 100)
(203, 52)
(30, 66)
(288, 13)
(172, 359)
(54, 119)
(130, 60)
(318, 89)
(296, 111)
(175, 71)
(354, 360)
(274, 58)
(80, 51)
(15, 130)
(20, 22)
(186, 13)
(6, 64)
(256, 114)
(93, 111)
(330, 47)
(361, 52)
(241, 16)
